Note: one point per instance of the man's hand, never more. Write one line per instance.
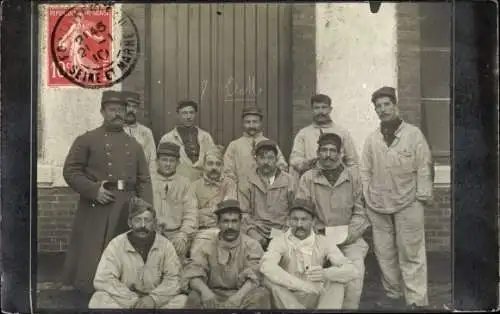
(308, 287)
(233, 302)
(315, 274)
(209, 300)
(104, 196)
(309, 164)
(146, 302)
(255, 235)
(180, 242)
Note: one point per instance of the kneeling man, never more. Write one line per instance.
(293, 265)
(138, 268)
(224, 273)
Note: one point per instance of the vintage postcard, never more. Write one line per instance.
(244, 156)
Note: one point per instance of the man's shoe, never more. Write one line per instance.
(415, 307)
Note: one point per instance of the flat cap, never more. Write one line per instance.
(228, 205)
(137, 206)
(187, 103)
(330, 138)
(305, 205)
(252, 110)
(385, 91)
(169, 149)
(266, 144)
(132, 97)
(112, 97)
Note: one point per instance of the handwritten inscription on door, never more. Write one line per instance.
(234, 91)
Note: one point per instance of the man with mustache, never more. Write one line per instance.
(336, 192)
(239, 158)
(304, 151)
(173, 200)
(397, 184)
(194, 141)
(207, 192)
(224, 273)
(140, 132)
(139, 268)
(268, 196)
(293, 265)
(106, 167)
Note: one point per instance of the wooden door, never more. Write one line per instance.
(224, 56)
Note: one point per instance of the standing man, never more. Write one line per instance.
(239, 158)
(224, 273)
(140, 132)
(268, 196)
(294, 265)
(194, 141)
(397, 184)
(173, 200)
(106, 167)
(139, 268)
(207, 192)
(337, 194)
(304, 151)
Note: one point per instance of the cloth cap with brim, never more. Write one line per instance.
(112, 97)
(168, 149)
(187, 103)
(269, 144)
(385, 91)
(132, 97)
(138, 206)
(330, 138)
(227, 206)
(305, 205)
(252, 110)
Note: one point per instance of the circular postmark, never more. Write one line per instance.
(93, 46)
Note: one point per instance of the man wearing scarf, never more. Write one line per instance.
(336, 192)
(239, 158)
(268, 196)
(139, 268)
(294, 265)
(397, 185)
(304, 151)
(140, 132)
(224, 273)
(207, 192)
(105, 167)
(194, 141)
(173, 201)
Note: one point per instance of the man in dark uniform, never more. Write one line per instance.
(106, 167)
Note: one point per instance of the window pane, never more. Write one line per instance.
(435, 74)
(435, 24)
(437, 118)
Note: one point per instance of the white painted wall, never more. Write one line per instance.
(356, 54)
(66, 111)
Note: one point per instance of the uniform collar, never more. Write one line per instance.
(107, 128)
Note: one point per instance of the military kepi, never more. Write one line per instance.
(132, 97)
(385, 91)
(302, 204)
(112, 97)
(330, 138)
(266, 144)
(252, 110)
(228, 206)
(168, 149)
(137, 206)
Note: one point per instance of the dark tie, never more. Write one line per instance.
(253, 146)
(166, 188)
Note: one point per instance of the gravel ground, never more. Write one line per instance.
(439, 274)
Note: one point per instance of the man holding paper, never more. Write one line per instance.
(293, 265)
(337, 194)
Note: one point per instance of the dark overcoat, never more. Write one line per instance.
(98, 155)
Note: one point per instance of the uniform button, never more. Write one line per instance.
(108, 153)
(128, 153)
(107, 145)
(109, 164)
(110, 175)
(126, 145)
(106, 134)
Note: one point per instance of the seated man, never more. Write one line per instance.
(293, 265)
(267, 195)
(225, 272)
(207, 192)
(138, 268)
(173, 201)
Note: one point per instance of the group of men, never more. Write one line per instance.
(187, 224)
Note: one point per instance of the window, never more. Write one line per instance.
(435, 74)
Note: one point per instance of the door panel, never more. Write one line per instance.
(224, 56)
